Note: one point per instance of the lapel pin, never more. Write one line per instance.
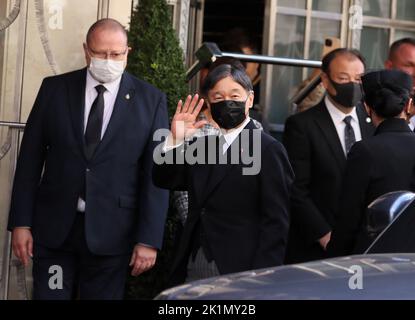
(127, 97)
(368, 120)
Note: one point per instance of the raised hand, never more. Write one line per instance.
(184, 123)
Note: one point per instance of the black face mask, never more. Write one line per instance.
(228, 114)
(348, 94)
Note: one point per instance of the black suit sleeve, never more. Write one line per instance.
(30, 163)
(305, 212)
(276, 178)
(153, 201)
(352, 205)
(170, 170)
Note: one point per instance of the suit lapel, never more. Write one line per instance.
(76, 98)
(215, 174)
(329, 132)
(201, 175)
(125, 95)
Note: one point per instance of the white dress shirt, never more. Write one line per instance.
(109, 97)
(338, 119)
(231, 135)
(109, 101)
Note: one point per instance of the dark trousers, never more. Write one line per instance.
(84, 275)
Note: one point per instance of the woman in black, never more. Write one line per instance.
(377, 165)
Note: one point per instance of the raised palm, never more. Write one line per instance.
(184, 122)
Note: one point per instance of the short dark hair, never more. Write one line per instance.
(236, 39)
(106, 23)
(397, 44)
(226, 60)
(328, 58)
(223, 71)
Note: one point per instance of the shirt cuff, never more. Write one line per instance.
(168, 145)
(146, 245)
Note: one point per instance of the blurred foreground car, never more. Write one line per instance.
(388, 276)
(381, 273)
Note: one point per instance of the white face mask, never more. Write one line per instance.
(106, 70)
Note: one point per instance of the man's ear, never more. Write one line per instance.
(251, 99)
(87, 58)
(388, 64)
(325, 80)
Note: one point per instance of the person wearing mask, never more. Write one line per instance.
(239, 40)
(237, 220)
(318, 141)
(402, 57)
(83, 197)
(378, 165)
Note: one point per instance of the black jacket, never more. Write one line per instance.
(123, 207)
(318, 160)
(245, 218)
(375, 166)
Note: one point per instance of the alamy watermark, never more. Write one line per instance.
(356, 280)
(56, 278)
(245, 149)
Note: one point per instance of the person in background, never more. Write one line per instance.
(402, 57)
(315, 96)
(318, 141)
(238, 40)
(378, 165)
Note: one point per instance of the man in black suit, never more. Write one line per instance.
(378, 165)
(317, 143)
(238, 220)
(83, 198)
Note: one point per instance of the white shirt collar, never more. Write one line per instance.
(337, 115)
(91, 83)
(412, 123)
(231, 135)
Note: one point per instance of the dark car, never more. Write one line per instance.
(374, 275)
(378, 276)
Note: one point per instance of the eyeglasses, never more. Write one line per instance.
(108, 55)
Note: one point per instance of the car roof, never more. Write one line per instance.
(373, 276)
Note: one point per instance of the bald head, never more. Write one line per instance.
(402, 56)
(396, 46)
(105, 25)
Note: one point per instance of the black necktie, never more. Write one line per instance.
(349, 136)
(94, 125)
